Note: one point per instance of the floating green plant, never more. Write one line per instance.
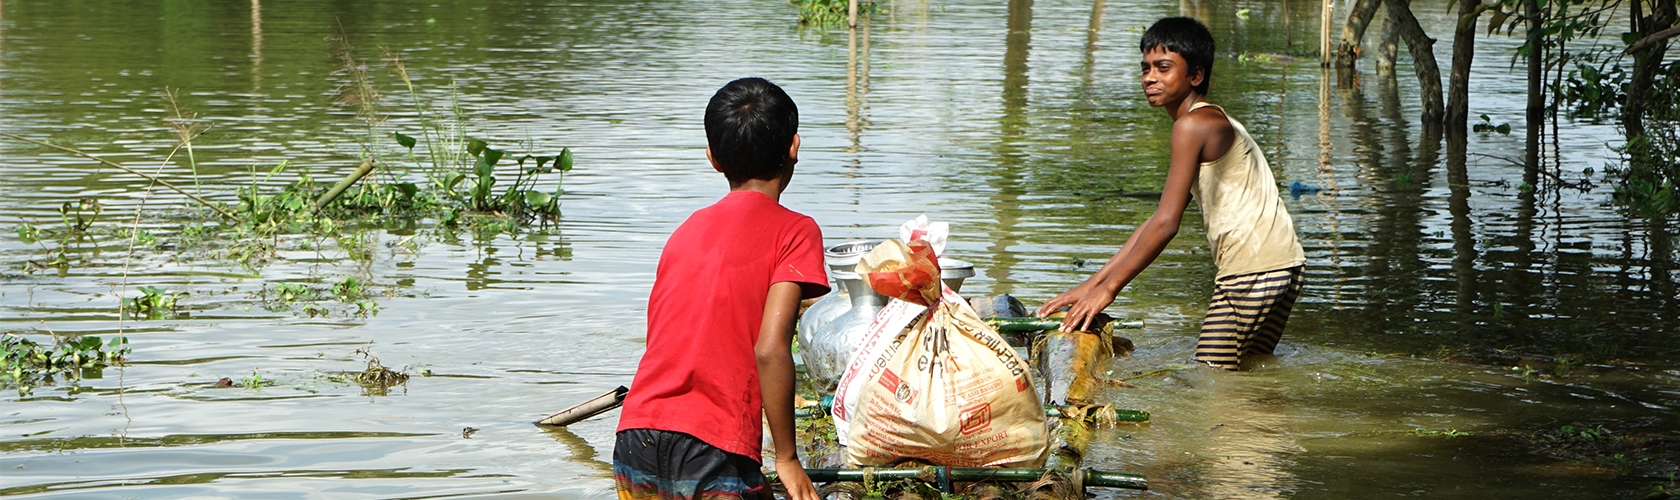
(153, 303)
(26, 364)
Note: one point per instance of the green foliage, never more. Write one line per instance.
(825, 13)
(1647, 178)
(348, 290)
(26, 364)
(254, 381)
(28, 234)
(153, 303)
(1592, 79)
(141, 237)
(1584, 443)
(475, 189)
(307, 300)
(78, 217)
(1595, 90)
(288, 293)
(1487, 126)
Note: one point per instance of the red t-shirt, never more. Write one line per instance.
(699, 375)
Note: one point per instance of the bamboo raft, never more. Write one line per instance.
(1068, 363)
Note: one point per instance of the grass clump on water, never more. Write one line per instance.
(376, 379)
(26, 364)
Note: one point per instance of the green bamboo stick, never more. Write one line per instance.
(338, 189)
(1120, 415)
(1030, 324)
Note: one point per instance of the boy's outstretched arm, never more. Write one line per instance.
(775, 380)
(1189, 136)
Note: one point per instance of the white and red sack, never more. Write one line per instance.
(931, 381)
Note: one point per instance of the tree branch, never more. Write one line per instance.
(1655, 38)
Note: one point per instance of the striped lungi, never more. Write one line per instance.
(1247, 315)
(651, 464)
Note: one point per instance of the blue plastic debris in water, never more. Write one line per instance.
(1296, 189)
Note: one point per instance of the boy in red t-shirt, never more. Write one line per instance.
(720, 320)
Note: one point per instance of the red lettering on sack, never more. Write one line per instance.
(1020, 384)
(888, 380)
(976, 418)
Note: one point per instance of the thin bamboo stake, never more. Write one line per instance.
(1324, 20)
(851, 13)
(120, 166)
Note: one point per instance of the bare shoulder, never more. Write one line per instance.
(1209, 127)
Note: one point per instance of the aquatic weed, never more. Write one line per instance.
(26, 364)
(153, 303)
(376, 379)
(254, 380)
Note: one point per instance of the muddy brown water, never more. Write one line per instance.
(1430, 274)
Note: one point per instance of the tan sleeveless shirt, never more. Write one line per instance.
(1247, 226)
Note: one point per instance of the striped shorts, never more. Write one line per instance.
(651, 464)
(1247, 315)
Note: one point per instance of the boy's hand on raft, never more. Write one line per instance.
(1084, 302)
(792, 476)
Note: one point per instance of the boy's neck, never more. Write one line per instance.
(1182, 107)
(770, 187)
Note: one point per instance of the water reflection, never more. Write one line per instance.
(1005, 181)
(582, 452)
(1248, 445)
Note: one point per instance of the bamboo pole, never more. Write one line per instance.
(1040, 324)
(338, 189)
(851, 13)
(598, 405)
(1067, 360)
(1324, 20)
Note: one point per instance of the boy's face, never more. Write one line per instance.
(1167, 78)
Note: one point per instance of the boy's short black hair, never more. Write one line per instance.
(1187, 37)
(750, 125)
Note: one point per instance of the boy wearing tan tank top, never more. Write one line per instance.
(1215, 161)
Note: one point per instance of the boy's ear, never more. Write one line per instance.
(1200, 74)
(793, 150)
(713, 161)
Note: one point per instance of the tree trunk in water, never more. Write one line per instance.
(1347, 51)
(1388, 49)
(1422, 50)
(1645, 64)
(1458, 81)
(1536, 99)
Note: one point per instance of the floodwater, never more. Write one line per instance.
(1454, 324)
